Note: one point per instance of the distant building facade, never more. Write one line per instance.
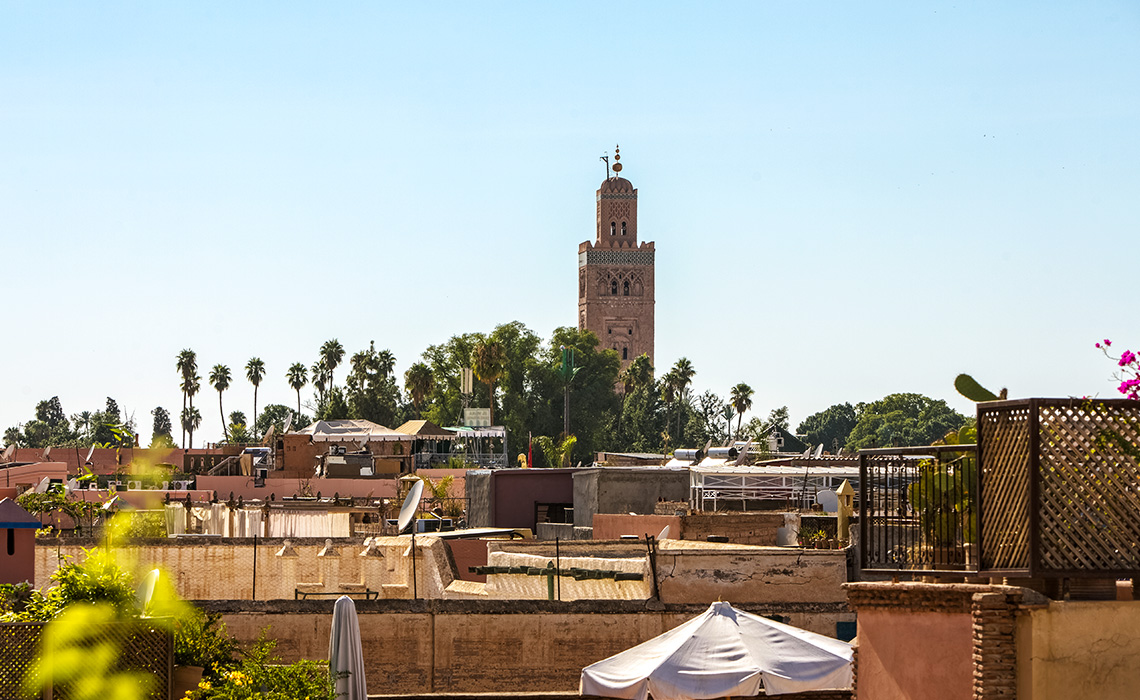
(615, 275)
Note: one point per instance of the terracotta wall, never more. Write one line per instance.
(905, 655)
(19, 565)
(244, 486)
(465, 646)
(935, 641)
(611, 526)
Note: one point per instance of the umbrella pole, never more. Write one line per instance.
(415, 592)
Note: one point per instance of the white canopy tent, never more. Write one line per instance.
(349, 430)
(723, 652)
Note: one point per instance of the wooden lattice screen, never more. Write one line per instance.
(141, 648)
(1060, 487)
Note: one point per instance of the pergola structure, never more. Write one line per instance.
(712, 484)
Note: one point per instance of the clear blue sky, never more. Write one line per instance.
(848, 199)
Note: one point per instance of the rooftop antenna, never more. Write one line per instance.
(606, 159)
(407, 517)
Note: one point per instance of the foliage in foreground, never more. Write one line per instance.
(261, 675)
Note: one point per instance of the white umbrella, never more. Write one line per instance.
(723, 652)
(345, 652)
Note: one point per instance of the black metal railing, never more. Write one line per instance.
(918, 509)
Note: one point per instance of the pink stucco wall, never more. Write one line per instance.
(906, 655)
(611, 526)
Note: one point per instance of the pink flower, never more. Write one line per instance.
(1126, 358)
(1107, 343)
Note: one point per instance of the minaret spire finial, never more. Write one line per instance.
(617, 157)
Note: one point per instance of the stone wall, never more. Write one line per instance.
(467, 646)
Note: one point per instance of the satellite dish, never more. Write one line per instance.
(110, 504)
(42, 487)
(9, 451)
(818, 451)
(145, 593)
(47, 453)
(664, 534)
(288, 422)
(411, 503)
(89, 453)
(742, 456)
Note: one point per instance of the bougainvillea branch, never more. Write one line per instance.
(1129, 374)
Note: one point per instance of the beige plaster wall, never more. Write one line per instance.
(697, 572)
(1078, 649)
(910, 655)
(214, 571)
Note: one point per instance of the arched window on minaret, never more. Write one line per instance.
(625, 288)
(613, 287)
(625, 353)
(623, 228)
(613, 228)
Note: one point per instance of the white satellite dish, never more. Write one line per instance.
(664, 534)
(89, 453)
(411, 503)
(9, 451)
(742, 456)
(818, 451)
(288, 423)
(47, 452)
(145, 593)
(42, 487)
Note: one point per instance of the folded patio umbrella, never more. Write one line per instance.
(346, 655)
(723, 652)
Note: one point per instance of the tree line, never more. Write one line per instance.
(520, 378)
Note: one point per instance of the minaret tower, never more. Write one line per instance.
(615, 273)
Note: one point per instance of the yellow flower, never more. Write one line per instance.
(204, 685)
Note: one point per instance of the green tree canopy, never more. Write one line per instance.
(902, 420)
(274, 415)
(830, 427)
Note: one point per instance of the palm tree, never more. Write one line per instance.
(741, 399)
(190, 387)
(220, 379)
(332, 352)
(187, 365)
(385, 362)
(683, 373)
(419, 382)
(297, 378)
(639, 373)
(487, 361)
(320, 378)
(191, 419)
(82, 422)
(254, 372)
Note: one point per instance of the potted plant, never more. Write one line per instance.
(202, 646)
